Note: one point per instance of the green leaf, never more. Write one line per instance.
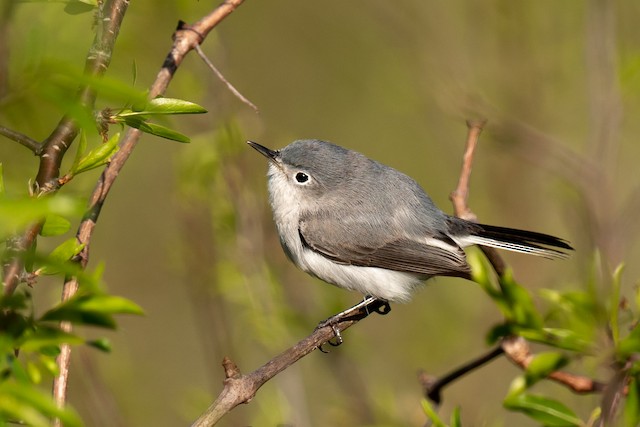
(32, 407)
(480, 271)
(164, 106)
(629, 344)
(101, 344)
(79, 6)
(456, 420)
(155, 129)
(34, 373)
(615, 304)
(522, 309)
(13, 302)
(565, 339)
(107, 304)
(60, 256)
(517, 387)
(44, 337)
(49, 364)
(631, 412)
(542, 409)
(498, 332)
(67, 78)
(431, 414)
(55, 225)
(543, 364)
(80, 150)
(96, 310)
(98, 156)
(18, 213)
(80, 317)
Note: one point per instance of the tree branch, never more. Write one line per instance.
(240, 388)
(516, 348)
(460, 195)
(185, 40)
(433, 386)
(53, 149)
(518, 351)
(22, 139)
(231, 87)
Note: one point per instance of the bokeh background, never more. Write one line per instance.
(187, 232)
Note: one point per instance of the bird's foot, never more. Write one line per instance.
(358, 312)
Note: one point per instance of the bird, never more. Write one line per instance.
(363, 226)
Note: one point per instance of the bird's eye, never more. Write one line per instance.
(302, 177)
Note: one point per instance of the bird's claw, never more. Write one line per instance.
(383, 309)
(359, 311)
(337, 336)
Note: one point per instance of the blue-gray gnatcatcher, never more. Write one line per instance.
(364, 226)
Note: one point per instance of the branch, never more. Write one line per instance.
(52, 151)
(518, 351)
(22, 139)
(185, 40)
(460, 196)
(231, 88)
(433, 386)
(517, 348)
(240, 388)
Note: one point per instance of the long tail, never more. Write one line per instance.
(511, 239)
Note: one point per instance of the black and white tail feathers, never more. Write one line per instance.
(511, 239)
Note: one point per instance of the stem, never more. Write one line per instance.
(22, 139)
(184, 42)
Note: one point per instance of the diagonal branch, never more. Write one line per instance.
(516, 348)
(21, 139)
(185, 40)
(52, 151)
(517, 351)
(227, 83)
(433, 386)
(460, 196)
(240, 388)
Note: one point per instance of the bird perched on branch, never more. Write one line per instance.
(363, 226)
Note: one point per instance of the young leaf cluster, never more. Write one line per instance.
(573, 328)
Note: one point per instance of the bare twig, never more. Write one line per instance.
(460, 195)
(231, 88)
(433, 386)
(518, 351)
(184, 41)
(515, 348)
(22, 139)
(240, 388)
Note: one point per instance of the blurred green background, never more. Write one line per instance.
(187, 232)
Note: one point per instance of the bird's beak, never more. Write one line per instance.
(270, 154)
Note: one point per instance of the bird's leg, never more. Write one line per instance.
(359, 311)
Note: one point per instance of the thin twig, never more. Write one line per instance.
(516, 348)
(231, 88)
(518, 351)
(460, 195)
(184, 42)
(22, 139)
(111, 14)
(433, 387)
(240, 388)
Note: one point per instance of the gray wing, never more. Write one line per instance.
(368, 245)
